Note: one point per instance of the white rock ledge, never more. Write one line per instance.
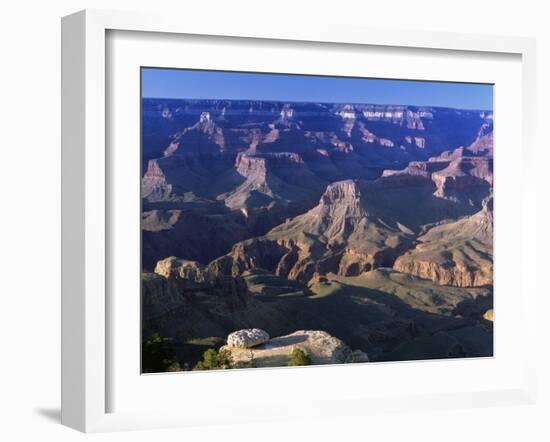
(277, 352)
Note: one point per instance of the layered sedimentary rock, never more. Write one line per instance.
(192, 304)
(177, 178)
(399, 115)
(361, 225)
(359, 140)
(334, 236)
(191, 272)
(247, 338)
(464, 177)
(160, 295)
(458, 253)
(204, 136)
(273, 178)
(370, 222)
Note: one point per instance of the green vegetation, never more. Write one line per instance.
(158, 355)
(213, 360)
(299, 357)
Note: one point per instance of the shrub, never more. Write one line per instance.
(213, 360)
(158, 355)
(299, 357)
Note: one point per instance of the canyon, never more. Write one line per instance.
(372, 223)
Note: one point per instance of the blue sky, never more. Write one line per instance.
(179, 83)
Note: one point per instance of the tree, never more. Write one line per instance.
(213, 360)
(299, 357)
(158, 355)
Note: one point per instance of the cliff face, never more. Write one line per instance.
(359, 225)
(196, 307)
(458, 253)
(373, 223)
(204, 136)
(358, 140)
(465, 179)
(267, 163)
(177, 178)
(281, 178)
(191, 273)
(473, 271)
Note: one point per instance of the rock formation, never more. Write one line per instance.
(465, 179)
(320, 346)
(276, 177)
(247, 338)
(358, 223)
(457, 253)
(191, 272)
(204, 136)
(361, 225)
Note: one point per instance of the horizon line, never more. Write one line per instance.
(319, 102)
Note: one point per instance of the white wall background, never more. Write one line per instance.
(30, 219)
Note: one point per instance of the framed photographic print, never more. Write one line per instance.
(252, 213)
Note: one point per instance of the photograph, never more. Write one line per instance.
(293, 220)
(237, 220)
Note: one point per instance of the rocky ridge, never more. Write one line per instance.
(320, 346)
(361, 225)
(455, 253)
(297, 215)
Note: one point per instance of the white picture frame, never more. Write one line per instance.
(85, 202)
